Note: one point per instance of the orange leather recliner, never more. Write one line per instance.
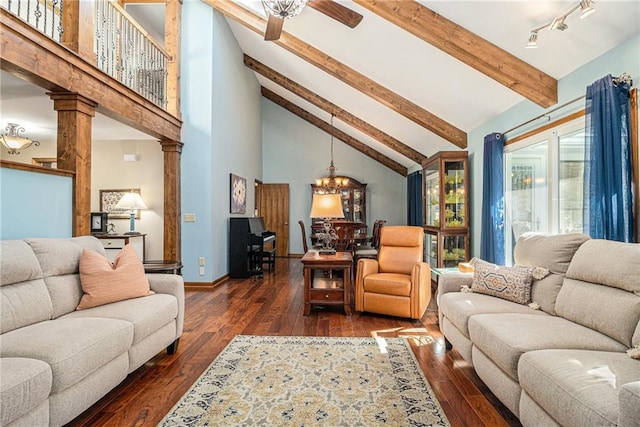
(398, 283)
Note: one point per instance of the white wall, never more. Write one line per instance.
(623, 58)
(296, 152)
(109, 171)
(221, 135)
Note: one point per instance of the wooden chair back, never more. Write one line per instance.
(377, 226)
(344, 243)
(304, 236)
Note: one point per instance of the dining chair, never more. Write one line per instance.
(372, 250)
(304, 236)
(344, 241)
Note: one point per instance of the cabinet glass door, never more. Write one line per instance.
(453, 250)
(431, 249)
(454, 195)
(357, 206)
(432, 196)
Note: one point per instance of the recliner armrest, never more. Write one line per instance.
(366, 267)
(171, 284)
(629, 401)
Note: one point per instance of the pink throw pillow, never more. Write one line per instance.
(103, 283)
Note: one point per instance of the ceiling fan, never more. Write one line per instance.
(278, 10)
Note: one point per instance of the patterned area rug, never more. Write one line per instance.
(307, 381)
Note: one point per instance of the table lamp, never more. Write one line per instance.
(131, 201)
(327, 207)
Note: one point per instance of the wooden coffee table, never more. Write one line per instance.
(327, 289)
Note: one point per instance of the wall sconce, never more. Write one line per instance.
(558, 23)
(13, 141)
(131, 201)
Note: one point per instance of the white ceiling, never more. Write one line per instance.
(395, 59)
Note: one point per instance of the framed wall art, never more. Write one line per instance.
(238, 192)
(110, 198)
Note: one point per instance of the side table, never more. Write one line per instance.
(327, 290)
(163, 266)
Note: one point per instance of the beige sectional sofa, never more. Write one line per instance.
(55, 361)
(566, 363)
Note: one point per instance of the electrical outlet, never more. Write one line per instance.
(201, 271)
(201, 261)
(189, 217)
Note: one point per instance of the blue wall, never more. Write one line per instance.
(296, 152)
(221, 134)
(34, 204)
(623, 58)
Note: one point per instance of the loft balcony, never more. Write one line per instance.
(105, 35)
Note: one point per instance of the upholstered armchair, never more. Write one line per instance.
(398, 283)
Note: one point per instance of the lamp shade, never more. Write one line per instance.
(131, 201)
(326, 206)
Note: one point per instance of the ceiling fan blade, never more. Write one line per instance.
(274, 28)
(336, 11)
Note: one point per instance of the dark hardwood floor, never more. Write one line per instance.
(273, 306)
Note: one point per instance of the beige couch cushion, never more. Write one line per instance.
(607, 262)
(577, 387)
(553, 252)
(458, 307)
(146, 314)
(73, 348)
(59, 259)
(611, 311)
(24, 298)
(505, 337)
(24, 386)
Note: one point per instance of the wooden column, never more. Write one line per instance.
(172, 210)
(75, 114)
(173, 13)
(78, 23)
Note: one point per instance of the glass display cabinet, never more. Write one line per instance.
(446, 209)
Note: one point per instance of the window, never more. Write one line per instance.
(543, 183)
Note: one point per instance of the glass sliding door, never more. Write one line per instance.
(544, 183)
(526, 192)
(570, 181)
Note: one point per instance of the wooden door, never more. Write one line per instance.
(274, 207)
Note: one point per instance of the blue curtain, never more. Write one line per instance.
(608, 207)
(492, 230)
(414, 198)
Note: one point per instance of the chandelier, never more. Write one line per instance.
(284, 8)
(13, 141)
(331, 184)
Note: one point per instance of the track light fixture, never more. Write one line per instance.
(533, 40)
(586, 8)
(558, 23)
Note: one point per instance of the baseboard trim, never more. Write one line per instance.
(204, 286)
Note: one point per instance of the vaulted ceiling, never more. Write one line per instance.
(413, 77)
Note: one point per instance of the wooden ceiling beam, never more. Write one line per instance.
(347, 139)
(345, 74)
(468, 48)
(331, 108)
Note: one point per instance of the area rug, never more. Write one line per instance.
(308, 381)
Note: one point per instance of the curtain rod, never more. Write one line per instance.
(623, 78)
(543, 115)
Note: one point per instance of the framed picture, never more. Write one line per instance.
(98, 222)
(110, 198)
(238, 192)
